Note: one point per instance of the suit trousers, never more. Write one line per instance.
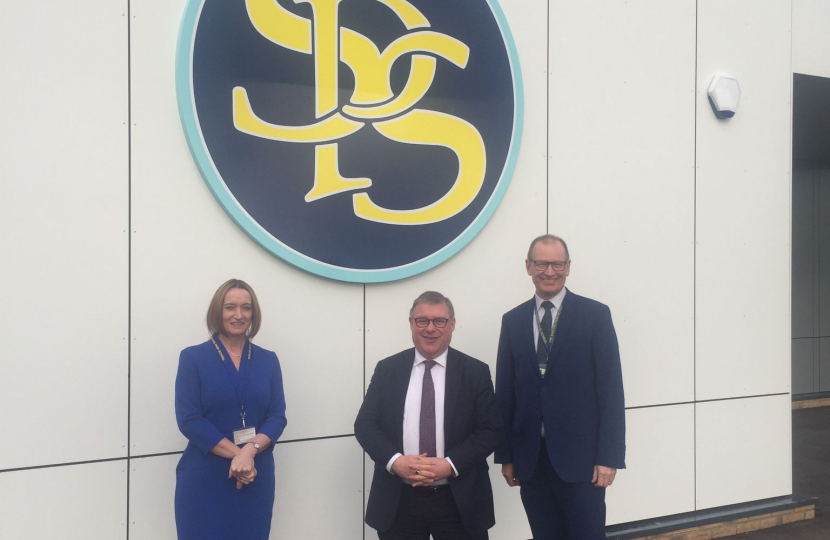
(558, 510)
(423, 511)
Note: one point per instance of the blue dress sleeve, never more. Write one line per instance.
(199, 430)
(275, 420)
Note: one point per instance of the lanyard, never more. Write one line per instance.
(548, 340)
(239, 380)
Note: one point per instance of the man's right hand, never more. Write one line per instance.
(405, 466)
(507, 472)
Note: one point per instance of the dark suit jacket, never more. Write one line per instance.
(472, 429)
(580, 397)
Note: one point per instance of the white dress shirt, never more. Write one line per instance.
(412, 410)
(556, 301)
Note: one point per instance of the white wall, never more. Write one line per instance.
(742, 317)
(742, 323)
(64, 219)
(622, 118)
(811, 37)
(678, 221)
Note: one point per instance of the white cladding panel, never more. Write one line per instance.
(811, 37)
(743, 450)
(323, 479)
(659, 479)
(184, 246)
(622, 178)
(64, 174)
(86, 502)
(152, 492)
(742, 270)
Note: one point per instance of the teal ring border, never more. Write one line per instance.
(221, 193)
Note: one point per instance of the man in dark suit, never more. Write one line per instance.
(559, 387)
(428, 421)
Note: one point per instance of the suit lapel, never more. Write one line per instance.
(399, 387)
(452, 386)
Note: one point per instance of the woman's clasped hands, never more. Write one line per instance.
(242, 467)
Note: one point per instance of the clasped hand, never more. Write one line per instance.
(242, 468)
(422, 470)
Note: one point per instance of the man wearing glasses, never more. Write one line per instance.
(428, 421)
(559, 387)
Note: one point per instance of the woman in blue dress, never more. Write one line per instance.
(231, 407)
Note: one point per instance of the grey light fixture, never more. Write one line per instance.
(724, 95)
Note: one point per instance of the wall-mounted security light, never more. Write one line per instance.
(724, 95)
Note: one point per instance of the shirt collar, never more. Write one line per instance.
(556, 300)
(440, 360)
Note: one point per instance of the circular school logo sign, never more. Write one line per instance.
(362, 140)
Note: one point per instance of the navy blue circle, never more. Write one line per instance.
(270, 178)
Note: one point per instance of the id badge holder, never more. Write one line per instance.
(244, 435)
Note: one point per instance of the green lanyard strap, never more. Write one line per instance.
(547, 340)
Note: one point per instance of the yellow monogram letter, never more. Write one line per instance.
(432, 128)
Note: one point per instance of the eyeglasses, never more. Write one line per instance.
(423, 322)
(541, 266)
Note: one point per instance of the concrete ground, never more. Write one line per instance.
(811, 477)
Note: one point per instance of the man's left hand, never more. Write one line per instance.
(430, 470)
(603, 476)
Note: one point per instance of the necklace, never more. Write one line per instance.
(241, 350)
(222, 356)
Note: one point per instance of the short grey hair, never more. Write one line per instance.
(547, 239)
(432, 297)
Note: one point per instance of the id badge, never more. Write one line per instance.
(244, 435)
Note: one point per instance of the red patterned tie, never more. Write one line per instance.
(427, 427)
